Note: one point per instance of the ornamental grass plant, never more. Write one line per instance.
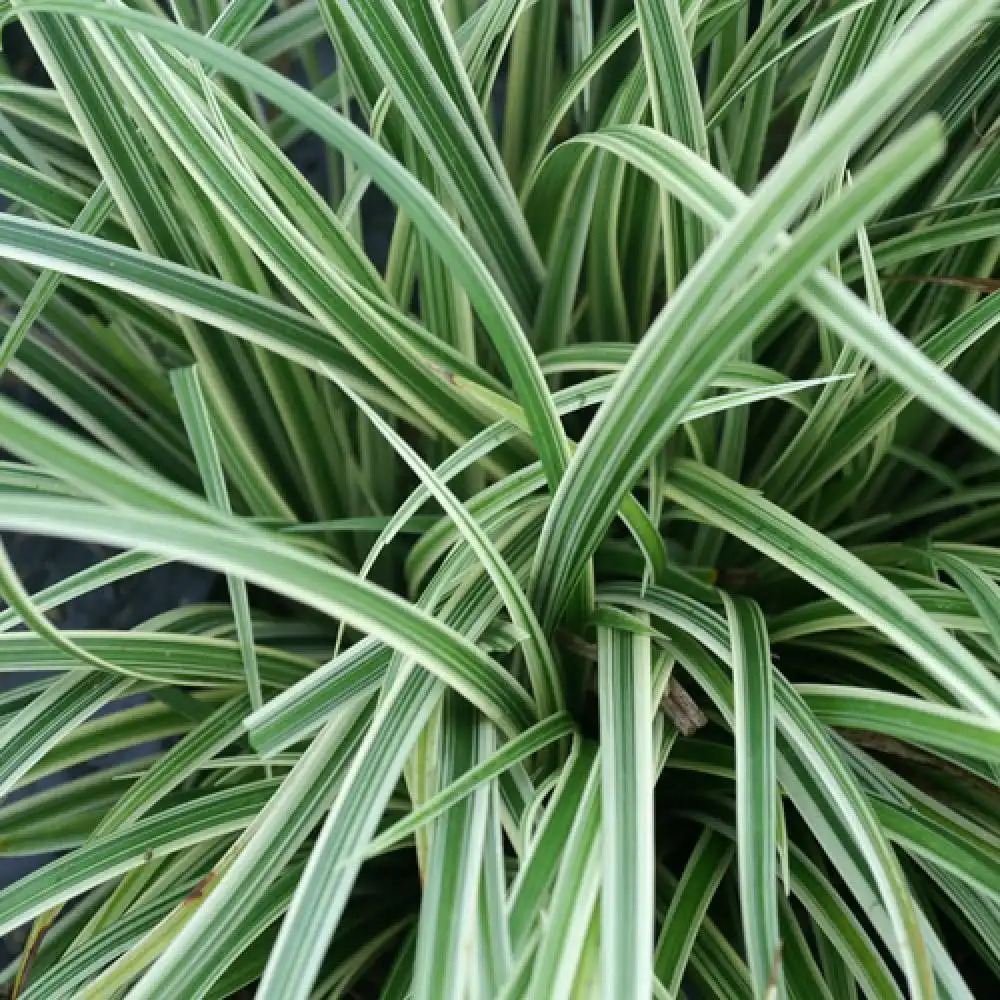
(609, 572)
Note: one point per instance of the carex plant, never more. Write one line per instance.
(608, 598)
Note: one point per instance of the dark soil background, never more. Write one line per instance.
(44, 561)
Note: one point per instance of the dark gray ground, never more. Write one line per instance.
(44, 561)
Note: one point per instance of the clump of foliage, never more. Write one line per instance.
(609, 598)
